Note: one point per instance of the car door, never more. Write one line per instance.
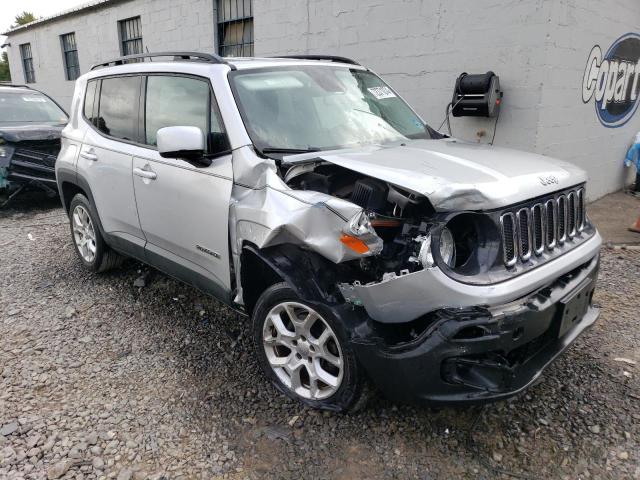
(184, 206)
(106, 161)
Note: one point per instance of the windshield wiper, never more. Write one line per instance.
(292, 151)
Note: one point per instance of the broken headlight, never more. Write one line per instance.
(6, 152)
(447, 249)
(476, 243)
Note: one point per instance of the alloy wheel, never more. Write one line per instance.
(303, 350)
(84, 234)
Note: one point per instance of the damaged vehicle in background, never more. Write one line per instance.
(364, 245)
(30, 127)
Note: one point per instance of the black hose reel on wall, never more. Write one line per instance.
(476, 95)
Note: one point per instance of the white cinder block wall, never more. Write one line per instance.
(539, 49)
(166, 25)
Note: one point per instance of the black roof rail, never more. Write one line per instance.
(177, 56)
(328, 58)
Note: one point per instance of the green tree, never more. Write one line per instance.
(24, 18)
(5, 74)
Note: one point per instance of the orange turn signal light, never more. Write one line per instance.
(354, 243)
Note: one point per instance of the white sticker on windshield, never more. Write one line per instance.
(381, 92)
(33, 98)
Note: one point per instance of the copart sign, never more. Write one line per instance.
(612, 80)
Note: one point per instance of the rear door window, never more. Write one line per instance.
(118, 108)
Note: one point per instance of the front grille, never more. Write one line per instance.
(580, 209)
(550, 211)
(537, 225)
(38, 158)
(562, 218)
(571, 214)
(542, 226)
(524, 233)
(509, 238)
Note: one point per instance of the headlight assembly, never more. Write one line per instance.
(468, 244)
(6, 152)
(447, 247)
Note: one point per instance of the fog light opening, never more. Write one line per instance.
(470, 333)
(517, 333)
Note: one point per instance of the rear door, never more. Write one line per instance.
(106, 161)
(183, 206)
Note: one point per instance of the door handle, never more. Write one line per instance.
(145, 173)
(89, 155)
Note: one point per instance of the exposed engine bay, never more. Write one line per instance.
(469, 245)
(400, 218)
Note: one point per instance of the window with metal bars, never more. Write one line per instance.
(70, 54)
(131, 36)
(235, 28)
(27, 63)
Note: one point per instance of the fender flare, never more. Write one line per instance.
(311, 276)
(74, 178)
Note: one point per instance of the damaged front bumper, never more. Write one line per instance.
(480, 354)
(403, 298)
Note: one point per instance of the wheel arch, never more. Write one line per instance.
(310, 275)
(69, 185)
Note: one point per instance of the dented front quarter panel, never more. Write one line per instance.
(265, 212)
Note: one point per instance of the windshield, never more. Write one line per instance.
(321, 108)
(29, 107)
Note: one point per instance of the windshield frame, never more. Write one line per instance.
(260, 146)
(31, 91)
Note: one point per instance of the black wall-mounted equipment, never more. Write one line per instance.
(476, 95)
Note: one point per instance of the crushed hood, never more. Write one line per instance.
(23, 132)
(456, 175)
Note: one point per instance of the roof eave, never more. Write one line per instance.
(95, 4)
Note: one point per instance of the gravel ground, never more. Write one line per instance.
(133, 375)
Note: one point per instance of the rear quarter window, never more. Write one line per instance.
(89, 98)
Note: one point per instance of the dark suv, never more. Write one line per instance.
(30, 126)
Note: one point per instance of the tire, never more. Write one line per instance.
(325, 373)
(93, 252)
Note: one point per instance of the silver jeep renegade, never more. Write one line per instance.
(366, 247)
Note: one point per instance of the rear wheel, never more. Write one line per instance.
(93, 252)
(302, 348)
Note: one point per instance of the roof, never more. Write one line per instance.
(95, 4)
(204, 68)
(205, 59)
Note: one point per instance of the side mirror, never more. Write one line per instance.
(181, 142)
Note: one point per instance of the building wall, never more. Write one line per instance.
(538, 48)
(166, 25)
(567, 127)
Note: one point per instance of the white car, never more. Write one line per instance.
(362, 245)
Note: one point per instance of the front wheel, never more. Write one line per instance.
(304, 351)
